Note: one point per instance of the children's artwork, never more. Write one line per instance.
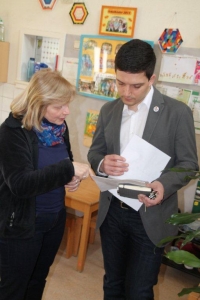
(189, 97)
(175, 92)
(194, 104)
(47, 4)
(117, 20)
(178, 69)
(90, 127)
(78, 13)
(197, 73)
(170, 40)
(96, 70)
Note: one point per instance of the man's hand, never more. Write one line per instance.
(114, 165)
(159, 189)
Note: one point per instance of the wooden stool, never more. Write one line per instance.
(74, 227)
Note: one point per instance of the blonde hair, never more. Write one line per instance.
(45, 87)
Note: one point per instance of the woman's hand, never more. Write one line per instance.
(73, 185)
(82, 170)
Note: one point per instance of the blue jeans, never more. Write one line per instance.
(25, 263)
(131, 260)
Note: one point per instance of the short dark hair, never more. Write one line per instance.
(136, 56)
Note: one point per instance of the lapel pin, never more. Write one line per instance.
(156, 108)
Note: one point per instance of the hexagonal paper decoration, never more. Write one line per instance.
(78, 13)
(47, 4)
(170, 40)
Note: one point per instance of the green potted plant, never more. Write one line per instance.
(181, 256)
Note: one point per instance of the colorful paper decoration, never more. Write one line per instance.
(170, 40)
(78, 13)
(47, 4)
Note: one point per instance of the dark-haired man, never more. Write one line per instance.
(129, 237)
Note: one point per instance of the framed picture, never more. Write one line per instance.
(96, 69)
(118, 21)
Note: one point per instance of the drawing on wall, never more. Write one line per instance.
(170, 40)
(96, 70)
(47, 4)
(78, 13)
(178, 69)
(90, 127)
(117, 20)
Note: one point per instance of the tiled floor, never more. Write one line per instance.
(65, 283)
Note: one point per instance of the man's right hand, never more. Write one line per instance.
(114, 165)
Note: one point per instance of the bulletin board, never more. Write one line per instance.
(96, 71)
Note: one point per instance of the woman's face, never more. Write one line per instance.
(56, 113)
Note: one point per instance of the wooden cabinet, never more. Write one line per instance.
(4, 57)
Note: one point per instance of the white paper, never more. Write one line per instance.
(70, 68)
(105, 183)
(146, 163)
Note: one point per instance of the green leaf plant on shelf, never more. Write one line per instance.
(187, 235)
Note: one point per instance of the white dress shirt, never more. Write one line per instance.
(133, 122)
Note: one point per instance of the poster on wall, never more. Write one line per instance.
(96, 70)
(189, 97)
(90, 127)
(194, 104)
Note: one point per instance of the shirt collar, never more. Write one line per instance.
(147, 101)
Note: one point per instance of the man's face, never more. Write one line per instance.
(133, 88)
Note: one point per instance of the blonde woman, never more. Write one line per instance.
(36, 163)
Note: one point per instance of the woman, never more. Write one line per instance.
(36, 164)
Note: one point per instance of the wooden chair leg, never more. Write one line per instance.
(77, 235)
(92, 230)
(70, 223)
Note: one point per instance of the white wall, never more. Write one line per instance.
(152, 18)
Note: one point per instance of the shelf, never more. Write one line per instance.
(44, 46)
(181, 267)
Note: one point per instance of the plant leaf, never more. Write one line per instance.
(170, 239)
(183, 218)
(186, 291)
(184, 257)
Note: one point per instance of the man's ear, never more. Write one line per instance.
(152, 79)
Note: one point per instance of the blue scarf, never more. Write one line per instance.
(52, 134)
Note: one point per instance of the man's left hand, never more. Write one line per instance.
(157, 187)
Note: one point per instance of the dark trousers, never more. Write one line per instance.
(25, 263)
(131, 260)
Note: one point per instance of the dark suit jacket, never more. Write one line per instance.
(171, 130)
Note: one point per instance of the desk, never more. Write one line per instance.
(86, 200)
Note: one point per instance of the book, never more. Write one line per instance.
(132, 191)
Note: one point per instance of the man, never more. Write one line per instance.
(129, 237)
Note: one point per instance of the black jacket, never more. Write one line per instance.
(21, 181)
